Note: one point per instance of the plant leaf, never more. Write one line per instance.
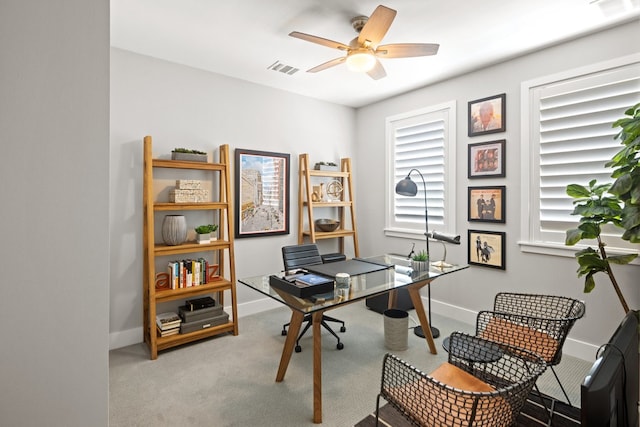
(573, 236)
(589, 284)
(622, 259)
(577, 191)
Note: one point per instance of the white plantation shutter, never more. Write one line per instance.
(571, 139)
(420, 140)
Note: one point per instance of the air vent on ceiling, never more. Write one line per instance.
(283, 68)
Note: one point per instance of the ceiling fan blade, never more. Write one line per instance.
(377, 72)
(406, 50)
(377, 26)
(319, 40)
(327, 64)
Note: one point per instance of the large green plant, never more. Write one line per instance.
(617, 203)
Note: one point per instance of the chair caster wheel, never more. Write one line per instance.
(298, 349)
(343, 329)
(340, 346)
(284, 332)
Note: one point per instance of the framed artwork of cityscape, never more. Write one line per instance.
(262, 193)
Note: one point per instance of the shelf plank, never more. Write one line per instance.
(192, 291)
(331, 234)
(334, 174)
(191, 247)
(335, 204)
(182, 164)
(179, 339)
(168, 206)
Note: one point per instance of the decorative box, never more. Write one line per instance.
(188, 196)
(196, 325)
(188, 184)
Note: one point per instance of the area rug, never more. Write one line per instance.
(532, 415)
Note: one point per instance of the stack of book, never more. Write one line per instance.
(188, 272)
(201, 313)
(168, 324)
(188, 191)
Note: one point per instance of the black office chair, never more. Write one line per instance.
(300, 256)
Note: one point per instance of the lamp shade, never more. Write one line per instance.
(406, 187)
(361, 61)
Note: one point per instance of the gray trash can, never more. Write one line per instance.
(396, 329)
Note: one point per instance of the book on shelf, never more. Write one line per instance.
(188, 272)
(168, 320)
(168, 332)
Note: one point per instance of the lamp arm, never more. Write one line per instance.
(426, 211)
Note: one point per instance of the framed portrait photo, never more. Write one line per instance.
(487, 204)
(487, 248)
(488, 115)
(487, 159)
(262, 193)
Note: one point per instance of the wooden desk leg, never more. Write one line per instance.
(414, 293)
(317, 368)
(393, 299)
(289, 343)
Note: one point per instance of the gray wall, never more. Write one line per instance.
(54, 127)
(462, 295)
(185, 107)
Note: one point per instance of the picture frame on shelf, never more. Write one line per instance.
(487, 115)
(487, 159)
(487, 204)
(262, 193)
(487, 249)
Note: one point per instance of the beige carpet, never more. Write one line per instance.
(230, 381)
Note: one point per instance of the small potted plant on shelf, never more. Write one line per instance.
(189, 155)
(326, 166)
(420, 261)
(205, 233)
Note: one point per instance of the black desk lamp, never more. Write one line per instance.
(408, 188)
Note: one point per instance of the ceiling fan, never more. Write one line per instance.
(364, 50)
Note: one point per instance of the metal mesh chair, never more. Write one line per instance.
(475, 387)
(299, 256)
(538, 323)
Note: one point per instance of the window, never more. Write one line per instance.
(568, 136)
(422, 140)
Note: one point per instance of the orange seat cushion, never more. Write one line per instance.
(433, 405)
(455, 377)
(504, 331)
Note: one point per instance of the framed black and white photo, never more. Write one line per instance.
(488, 115)
(487, 204)
(487, 248)
(262, 193)
(487, 159)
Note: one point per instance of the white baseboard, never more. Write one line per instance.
(575, 348)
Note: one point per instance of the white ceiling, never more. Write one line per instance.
(242, 38)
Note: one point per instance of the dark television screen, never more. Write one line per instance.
(609, 393)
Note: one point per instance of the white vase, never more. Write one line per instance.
(204, 238)
(174, 230)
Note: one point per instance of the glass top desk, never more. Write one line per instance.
(385, 280)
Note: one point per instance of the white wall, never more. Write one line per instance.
(54, 126)
(185, 107)
(465, 293)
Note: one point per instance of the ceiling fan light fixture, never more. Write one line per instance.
(361, 61)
